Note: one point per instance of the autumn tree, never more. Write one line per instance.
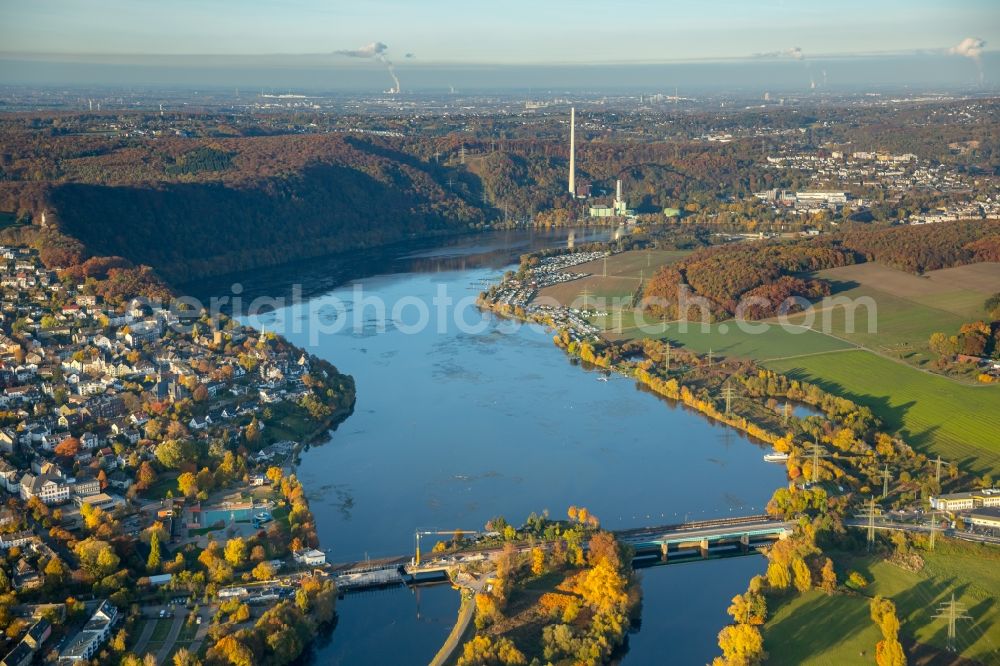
(153, 561)
(828, 577)
(68, 448)
(742, 645)
(888, 651)
(748, 608)
(263, 571)
(801, 574)
(97, 557)
(187, 483)
(234, 651)
(236, 551)
(537, 561)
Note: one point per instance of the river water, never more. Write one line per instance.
(471, 417)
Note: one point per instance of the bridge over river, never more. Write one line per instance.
(692, 540)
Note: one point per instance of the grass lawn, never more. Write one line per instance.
(933, 413)
(818, 630)
(971, 571)
(167, 481)
(161, 630)
(288, 422)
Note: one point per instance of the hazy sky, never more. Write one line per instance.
(497, 31)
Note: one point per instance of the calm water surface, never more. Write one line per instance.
(452, 428)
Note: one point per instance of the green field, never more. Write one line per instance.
(895, 313)
(893, 326)
(971, 571)
(933, 413)
(727, 339)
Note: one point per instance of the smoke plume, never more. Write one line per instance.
(795, 53)
(971, 47)
(374, 51)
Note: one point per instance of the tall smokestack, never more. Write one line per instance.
(572, 151)
(618, 190)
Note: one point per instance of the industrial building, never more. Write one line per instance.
(971, 499)
(986, 518)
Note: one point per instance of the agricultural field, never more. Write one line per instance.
(895, 313)
(971, 571)
(933, 413)
(619, 279)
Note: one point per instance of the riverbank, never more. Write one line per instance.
(849, 450)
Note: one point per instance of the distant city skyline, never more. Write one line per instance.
(511, 32)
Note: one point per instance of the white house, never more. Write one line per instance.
(85, 644)
(310, 557)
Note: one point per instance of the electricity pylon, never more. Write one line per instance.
(937, 468)
(869, 515)
(952, 611)
(934, 527)
(817, 452)
(886, 475)
(710, 357)
(787, 413)
(728, 393)
(668, 357)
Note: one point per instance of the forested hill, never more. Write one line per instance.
(192, 209)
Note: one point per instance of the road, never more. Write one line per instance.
(465, 615)
(147, 633)
(920, 528)
(168, 642)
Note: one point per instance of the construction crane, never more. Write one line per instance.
(453, 533)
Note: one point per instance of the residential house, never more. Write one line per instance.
(38, 634)
(85, 644)
(16, 539)
(21, 655)
(9, 477)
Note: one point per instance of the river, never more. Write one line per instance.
(465, 420)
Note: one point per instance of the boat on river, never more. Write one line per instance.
(775, 457)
